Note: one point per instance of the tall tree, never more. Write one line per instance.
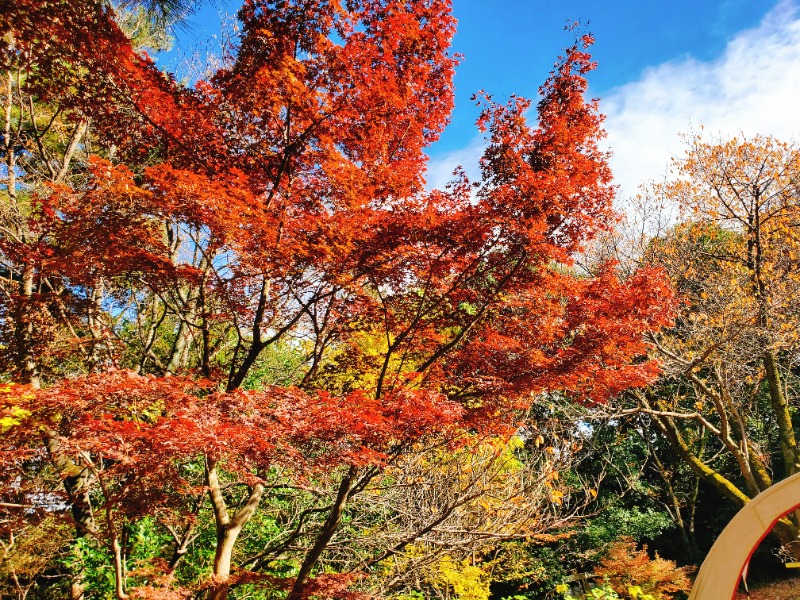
(282, 202)
(730, 360)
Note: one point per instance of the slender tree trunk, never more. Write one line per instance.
(694, 549)
(77, 483)
(780, 407)
(325, 535)
(238, 374)
(182, 542)
(77, 135)
(96, 329)
(685, 528)
(182, 340)
(151, 327)
(119, 568)
(24, 334)
(205, 326)
(228, 529)
(238, 377)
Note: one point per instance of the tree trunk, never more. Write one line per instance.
(325, 535)
(28, 366)
(178, 355)
(226, 539)
(782, 417)
(182, 543)
(228, 529)
(237, 375)
(77, 483)
(119, 570)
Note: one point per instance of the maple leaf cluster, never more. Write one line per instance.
(141, 428)
(145, 422)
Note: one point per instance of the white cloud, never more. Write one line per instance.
(440, 169)
(753, 87)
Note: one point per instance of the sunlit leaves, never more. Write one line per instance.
(281, 204)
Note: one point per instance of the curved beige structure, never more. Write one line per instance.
(719, 575)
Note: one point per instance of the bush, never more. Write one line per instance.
(627, 568)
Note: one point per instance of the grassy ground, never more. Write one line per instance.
(780, 590)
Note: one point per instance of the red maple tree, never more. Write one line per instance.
(281, 200)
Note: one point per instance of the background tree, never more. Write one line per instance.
(725, 400)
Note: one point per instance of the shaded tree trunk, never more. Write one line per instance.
(325, 535)
(780, 407)
(77, 483)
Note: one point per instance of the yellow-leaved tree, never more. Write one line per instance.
(725, 401)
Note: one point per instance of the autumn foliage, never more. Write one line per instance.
(625, 565)
(281, 205)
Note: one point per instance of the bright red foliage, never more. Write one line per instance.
(143, 424)
(283, 200)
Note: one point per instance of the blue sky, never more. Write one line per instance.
(664, 68)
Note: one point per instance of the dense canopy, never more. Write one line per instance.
(234, 298)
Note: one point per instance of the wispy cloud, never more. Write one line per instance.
(752, 87)
(440, 169)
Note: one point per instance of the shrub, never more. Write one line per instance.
(626, 568)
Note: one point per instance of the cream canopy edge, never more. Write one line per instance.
(719, 575)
